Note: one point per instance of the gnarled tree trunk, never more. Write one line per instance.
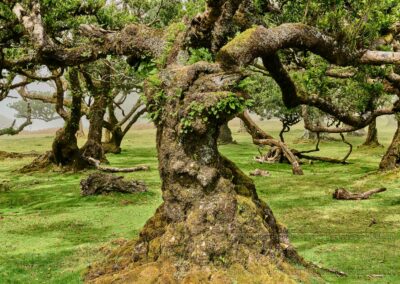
(372, 136)
(211, 222)
(65, 150)
(391, 159)
(93, 147)
(99, 84)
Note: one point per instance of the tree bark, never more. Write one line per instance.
(93, 147)
(65, 150)
(391, 159)
(225, 135)
(372, 136)
(212, 219)
(115, 135)
(98, 83)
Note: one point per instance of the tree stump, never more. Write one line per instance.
(106, 183)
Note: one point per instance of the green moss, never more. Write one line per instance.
(236, 48)
(173, 31)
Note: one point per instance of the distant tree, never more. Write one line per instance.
(39, 110)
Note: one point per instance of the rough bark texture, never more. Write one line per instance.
(211, 227)
(372, 136)
(93, 147)
(99, 85)
(225, 135)
(106, 183)
(391, 159)
(65, 150)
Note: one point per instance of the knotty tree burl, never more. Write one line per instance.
(211, 226)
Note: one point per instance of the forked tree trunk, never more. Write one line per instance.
(391, 159)
(212, 224)
(65, 148)
(225, 135)
(93, 147)
(372, 136)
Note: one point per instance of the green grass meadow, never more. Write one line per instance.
(50, 234)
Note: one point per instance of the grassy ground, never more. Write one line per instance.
(49, 233)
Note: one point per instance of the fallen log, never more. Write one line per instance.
(296, 169)
(343, 194)
(106, 183)
(96, 164)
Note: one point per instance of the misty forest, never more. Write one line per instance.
(199, 141)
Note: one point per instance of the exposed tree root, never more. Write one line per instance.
(343, 194)
(291, 253)
(105, 183)
(96, 164)
(40, 163)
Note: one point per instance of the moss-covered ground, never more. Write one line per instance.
(50, 234)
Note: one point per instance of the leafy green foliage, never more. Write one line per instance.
(199, 54)
(360, 93)
(228, 105)
(268, 100)
(353, 22)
